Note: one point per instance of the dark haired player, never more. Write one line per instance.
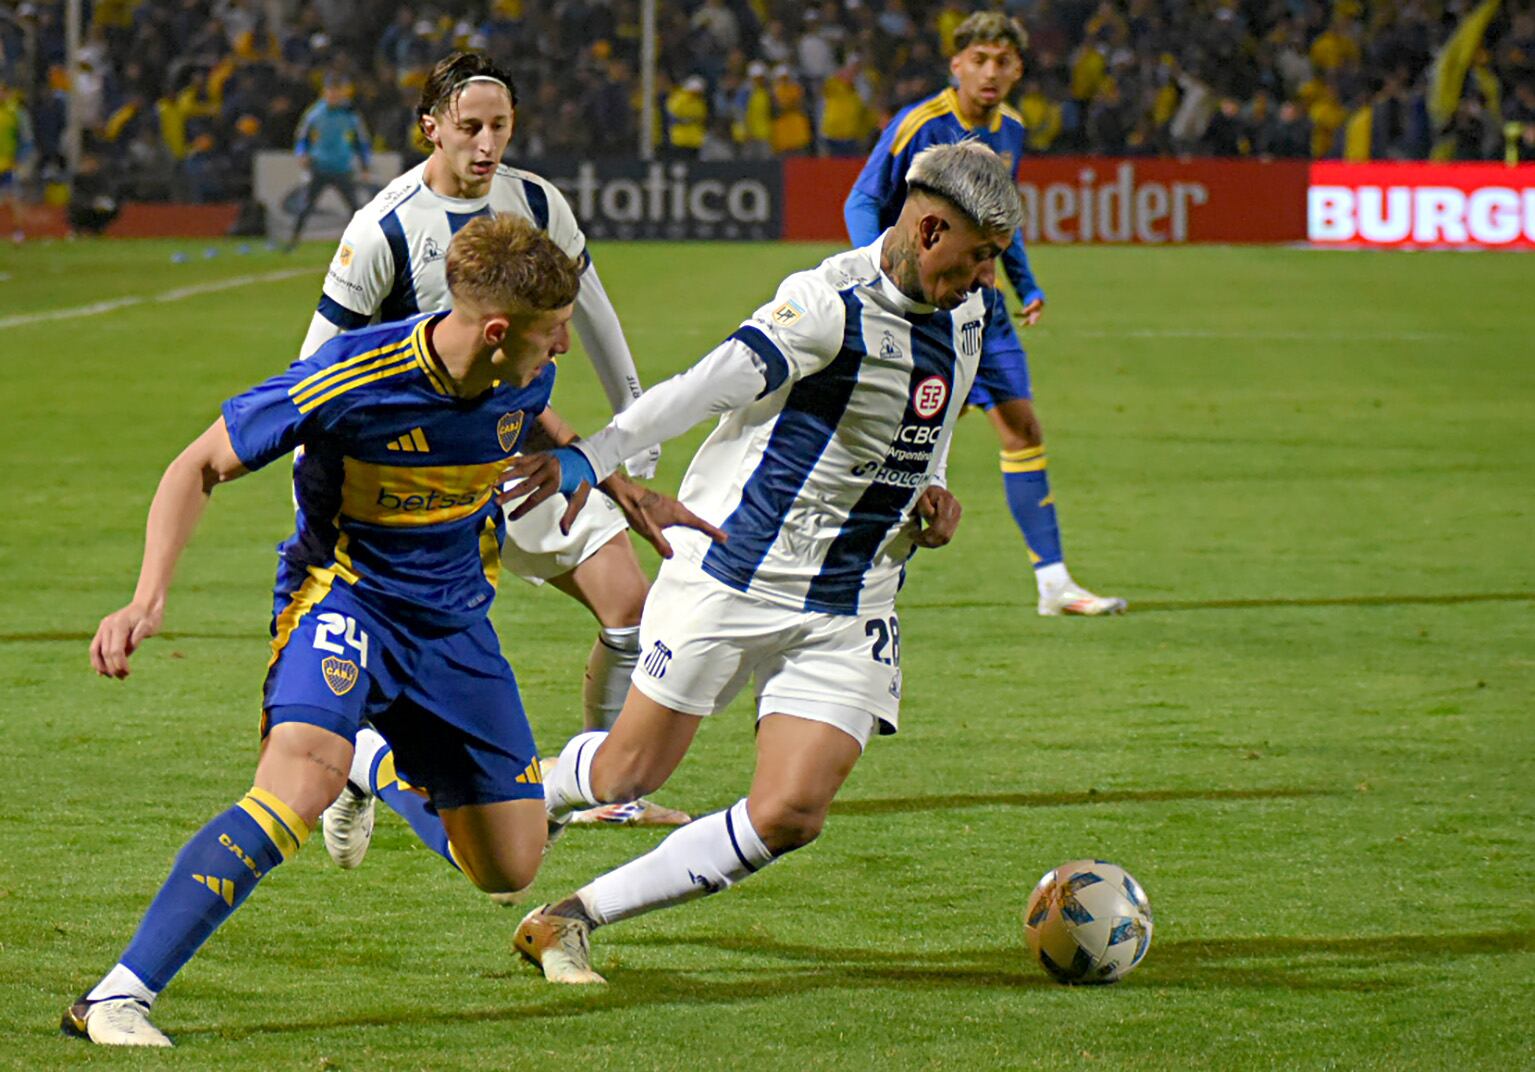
(987, 64)
(389, 265)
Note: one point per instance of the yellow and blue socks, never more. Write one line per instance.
(213, 874)
(1027, 486)
(374, 760)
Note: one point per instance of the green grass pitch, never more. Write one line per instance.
(1312, 739)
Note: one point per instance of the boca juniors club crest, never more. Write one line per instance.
(340, 674)
(508, 428)
(929, 396)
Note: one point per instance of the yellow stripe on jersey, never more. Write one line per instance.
(381, 369)
(1012, 113)
(418, 437)
(435, 373)
(916, 119)
(490, 553)
(341, 369)
(412, 495)
(315, 588)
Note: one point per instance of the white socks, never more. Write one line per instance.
(369, 744)
(569, 787)
(121, 983)
(608, 670)
(1052, 578)
(703, 857)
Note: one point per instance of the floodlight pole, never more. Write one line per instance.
(72, 128)
(647, 78)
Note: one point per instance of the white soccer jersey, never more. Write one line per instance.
(816, 480)
(391, 261)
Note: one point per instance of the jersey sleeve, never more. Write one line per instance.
(799, 332)
(359, 276)
(562, 225)
(271, 419)
(877, 184)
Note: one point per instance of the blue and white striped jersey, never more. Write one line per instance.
(391, 261)
(816, 481)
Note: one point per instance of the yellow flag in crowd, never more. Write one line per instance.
(1448, 77)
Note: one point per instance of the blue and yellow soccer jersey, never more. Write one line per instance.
(396, 486)
(877, 196)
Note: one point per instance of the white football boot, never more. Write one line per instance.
(634, 813)
(113, 1022)
(1072, 598)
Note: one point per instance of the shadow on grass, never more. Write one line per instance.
(895, 805)
(1163, 606)
(1283, 962)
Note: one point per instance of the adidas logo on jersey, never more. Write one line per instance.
(413, 441)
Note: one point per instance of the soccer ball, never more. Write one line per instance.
(1088, 921)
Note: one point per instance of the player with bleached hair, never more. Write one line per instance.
(836, 404)
(987, 63)
(390, 265)
(382, 597)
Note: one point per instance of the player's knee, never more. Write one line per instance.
(504, 880)
(784, 825)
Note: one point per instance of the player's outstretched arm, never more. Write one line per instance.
(178, 505)
(650, 513)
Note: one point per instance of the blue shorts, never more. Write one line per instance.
(1003, 374)
(447, 703)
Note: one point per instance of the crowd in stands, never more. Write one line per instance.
(176, 96)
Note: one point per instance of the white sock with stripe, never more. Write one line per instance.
(120, 982)
(708, 855)
(569, 786)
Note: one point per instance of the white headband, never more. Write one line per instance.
(479, 78)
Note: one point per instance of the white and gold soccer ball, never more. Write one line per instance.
(1088, 921)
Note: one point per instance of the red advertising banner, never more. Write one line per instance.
(1150, 201)
(813, 191)
(1099, 200)
(1407, 206)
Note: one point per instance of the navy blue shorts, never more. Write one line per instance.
(447, 703)
(1003, 374)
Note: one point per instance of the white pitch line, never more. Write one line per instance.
(96, 308)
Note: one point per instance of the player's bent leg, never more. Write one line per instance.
(497, 846)
(301, 769)
(635, 757)
(1026, 483)
(800, 766)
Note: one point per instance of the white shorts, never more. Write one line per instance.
(700, 641)
(535, 548)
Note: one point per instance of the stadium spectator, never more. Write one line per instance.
(330, 137)
(754, 113)
(687, 113)
(791, 122)
(845, 125)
